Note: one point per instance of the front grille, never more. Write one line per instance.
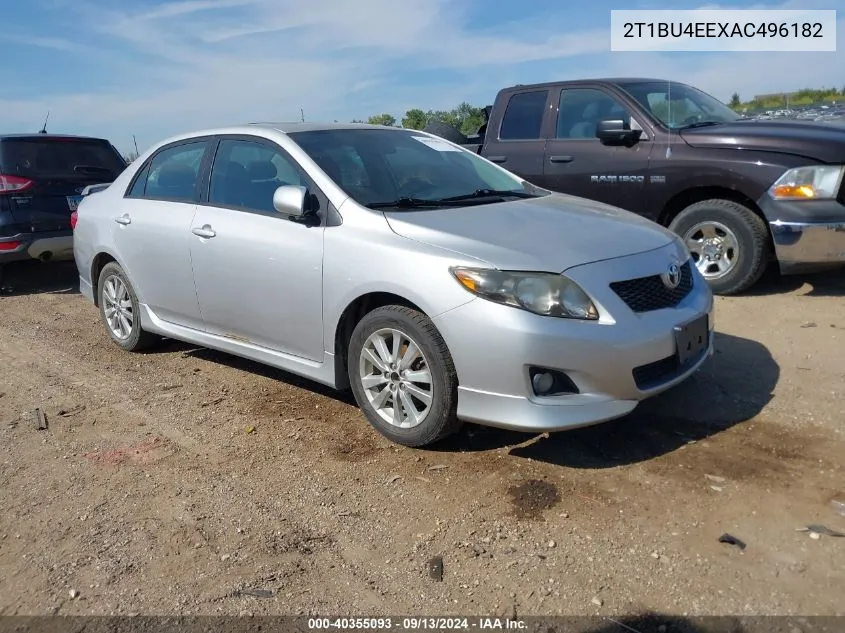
(662, 371)
(644, 294)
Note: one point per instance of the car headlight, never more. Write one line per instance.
(547, 294)
(819, 182)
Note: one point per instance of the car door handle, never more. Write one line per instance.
(123, 219)
(497, 159)
(203, 231)
(560, 159)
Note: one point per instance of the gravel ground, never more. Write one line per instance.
(185, 481)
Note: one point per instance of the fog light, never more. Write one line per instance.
(551, 382)
(542, 382)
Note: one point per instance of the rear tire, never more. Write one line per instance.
(385, 369)
(732, 235)
(120, 310)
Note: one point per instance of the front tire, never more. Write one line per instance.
(728, 242)
(120, 310)
(403, 376)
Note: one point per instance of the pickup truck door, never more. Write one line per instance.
(577, 163)
(516, 140)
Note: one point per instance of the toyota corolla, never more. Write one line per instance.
(435, 284)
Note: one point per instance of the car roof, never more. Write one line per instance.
(248, 129)
(621, 81)
(38, 136)
(293, 127)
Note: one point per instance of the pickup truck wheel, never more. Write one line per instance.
(728, 243)
(403, 376)
(120, 312)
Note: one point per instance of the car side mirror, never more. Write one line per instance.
(290, 200)
(616, 132)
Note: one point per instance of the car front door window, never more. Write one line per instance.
(246, 174)
(580, 110)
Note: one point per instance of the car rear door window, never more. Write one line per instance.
(172, 174)
(247, 173)
(523, 118)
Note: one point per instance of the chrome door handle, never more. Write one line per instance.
(203, 231)
(123, 219)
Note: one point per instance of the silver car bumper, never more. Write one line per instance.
(615, 363)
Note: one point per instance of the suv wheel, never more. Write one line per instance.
(728, 243)
(119, 310)
(403, 376)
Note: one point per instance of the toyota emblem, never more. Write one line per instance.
(672, 277)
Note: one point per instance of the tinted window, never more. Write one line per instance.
(378, 166)
(140, 184)
(580, 109)
(63, 157)
(247, 173)
(676, 105)
(173, 173)
(524, 116)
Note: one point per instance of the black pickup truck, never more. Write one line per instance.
(741, 193)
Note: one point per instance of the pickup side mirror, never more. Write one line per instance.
(290, 200)
(616, 132)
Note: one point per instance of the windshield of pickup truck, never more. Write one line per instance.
(678, 106)
(383, 168)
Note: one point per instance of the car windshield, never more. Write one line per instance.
(678, 106)
(404, 168)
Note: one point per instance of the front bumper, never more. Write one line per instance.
(807, 235)
(601, 358)
(45, 246)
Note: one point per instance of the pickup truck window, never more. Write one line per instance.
(523, 118)
(677, 105)
(580, 110)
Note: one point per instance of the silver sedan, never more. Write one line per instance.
(436, 285)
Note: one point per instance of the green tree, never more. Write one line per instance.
(382, 119)
(735, 101)
(466, 118)
(414, 119)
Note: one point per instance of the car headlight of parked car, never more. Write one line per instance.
(546, 294)
(818, 182)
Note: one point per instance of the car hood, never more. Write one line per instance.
(549, 234)
(818, 141)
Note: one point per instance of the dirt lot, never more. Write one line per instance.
(174, 481)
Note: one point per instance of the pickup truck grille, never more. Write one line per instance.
(644, 294)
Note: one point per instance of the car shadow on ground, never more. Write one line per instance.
(830, 283)
(652, 622)
(729, 389)
(34, 277)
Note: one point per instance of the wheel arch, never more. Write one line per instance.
(692, 195)
(98, 262)
(350, 317)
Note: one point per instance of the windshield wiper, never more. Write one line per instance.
(92, 168)
(700, 124)
(405, 203)
(489, 193)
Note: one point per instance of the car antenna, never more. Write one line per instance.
(135, 141)
(302, 114)
(43, 129)
(669, 118)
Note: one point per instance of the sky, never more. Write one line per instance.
(155, 68)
